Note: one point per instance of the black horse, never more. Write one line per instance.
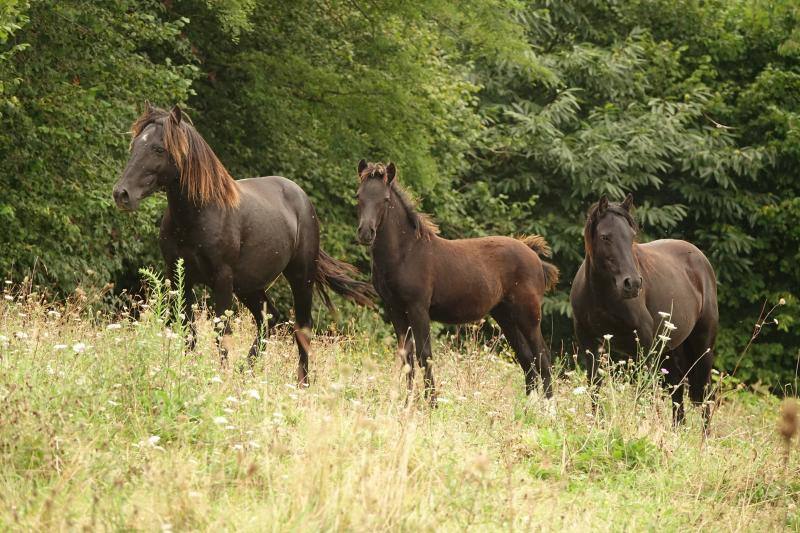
(236, 237)
(626, 289)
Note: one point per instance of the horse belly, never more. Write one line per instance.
(460, 309)
(258, 267)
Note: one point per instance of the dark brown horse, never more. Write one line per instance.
(627, 289)
(423, 277)
(236, 237)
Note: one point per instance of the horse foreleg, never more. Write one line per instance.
(421, 327)
(587, 348)
(187, 319)
(223, 301)
(405, 346)
(254, 302)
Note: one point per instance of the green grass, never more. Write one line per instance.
(130, 433)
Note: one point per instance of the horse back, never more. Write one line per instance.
(477, 274)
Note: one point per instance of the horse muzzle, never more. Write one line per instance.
(366, 235)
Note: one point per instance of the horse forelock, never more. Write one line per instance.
(202, 175)
(374, 170)
(593, 218)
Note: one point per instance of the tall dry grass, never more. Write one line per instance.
(107, 424)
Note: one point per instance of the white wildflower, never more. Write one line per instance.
(254, 394)
(8, 297)
(664, 314)
(79, 347)
(153, 440)
(670, 326)
(442, 399)
(21, 335)
(3, 339)
(114, 326)
(664, 338)
(608, 336)
(231, 399)
(53, 313)
(216, 379)
(220, 420)
(577, 391)
(782, 301)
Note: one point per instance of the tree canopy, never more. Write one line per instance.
(503, 116)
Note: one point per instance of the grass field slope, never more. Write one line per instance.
(106, 424)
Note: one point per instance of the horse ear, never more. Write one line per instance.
(176, 114)
(602, 205)
(391, 172)
(361, 166)
(148, 107)
(627, 203)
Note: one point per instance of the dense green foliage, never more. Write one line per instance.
(504, 117)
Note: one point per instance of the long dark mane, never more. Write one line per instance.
(593, 217)
(202, 175)
(422, 223)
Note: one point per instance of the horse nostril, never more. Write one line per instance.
(627, 283)
(121, 196)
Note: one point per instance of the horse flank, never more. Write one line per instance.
(202, 175)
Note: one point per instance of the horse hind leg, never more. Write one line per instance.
(527, 315)
(302, 286)
(674, 364)
(699, 352)
(504, 317)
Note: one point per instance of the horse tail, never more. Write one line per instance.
(538, 244)
(335, 274)
(550, 275)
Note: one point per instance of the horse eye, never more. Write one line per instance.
(158, 149)
(605, 238)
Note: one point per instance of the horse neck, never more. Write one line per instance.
(395, 236)
(181, 209)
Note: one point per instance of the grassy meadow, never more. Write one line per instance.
(107, 425)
